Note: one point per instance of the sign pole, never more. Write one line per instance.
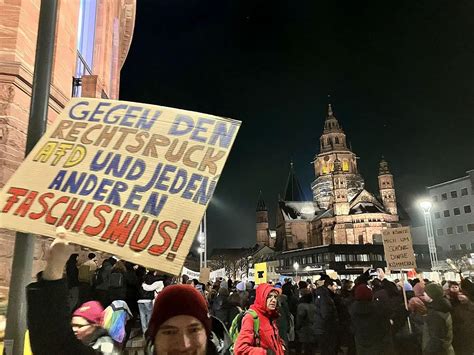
(38, 117)
(405, 298)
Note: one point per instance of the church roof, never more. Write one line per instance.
(365, 202)
(261, 203)
(293, 191)
(299, 210)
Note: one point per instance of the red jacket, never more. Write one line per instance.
(268, 331)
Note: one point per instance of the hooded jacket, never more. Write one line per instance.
(438, 328)
(268, 331)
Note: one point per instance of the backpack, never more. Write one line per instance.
(236, 325)
(116, 280)
(85, 274)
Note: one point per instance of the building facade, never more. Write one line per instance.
(91, 43)
(452, 213)
(341, 211)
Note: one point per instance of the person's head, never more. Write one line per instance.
(120, 266)
(302, 285)
(91, 256)
(347, 285)
(433, 292)
(331, 285)
(73, 258)
(266, 299)
(180, 322)
(184, 279)
(86, 319)
(362, 292)
(453, 287)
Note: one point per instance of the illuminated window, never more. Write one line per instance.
(345, 165)
(325, 169)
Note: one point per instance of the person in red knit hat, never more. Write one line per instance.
(181, 324)
(268, 340)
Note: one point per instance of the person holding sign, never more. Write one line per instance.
(267, 341)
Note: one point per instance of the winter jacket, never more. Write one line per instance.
(268, 331)
(49, 323)
(326, 314)
(438, 329)
(283, 321)
(463, 326)
(103, 277)
(371, 327)
(305, 322)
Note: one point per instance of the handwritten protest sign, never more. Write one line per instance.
(190, 273)
(260, 273)
(130, 179)
(398, 248)
(217, 273)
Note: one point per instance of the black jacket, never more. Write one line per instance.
(49, 322)
(326, 320)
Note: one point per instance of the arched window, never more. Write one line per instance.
(337, 140)
(361, 239)
(329, 141)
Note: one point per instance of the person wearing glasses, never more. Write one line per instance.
(267, 341)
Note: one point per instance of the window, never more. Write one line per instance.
(449, 230)
(303, 260)
(337, 140)
(470, 227)
(361, 239)
(457, 211)
(454, 194)
(444, 196)
(362, 257)
(446, 213)
(464, 192)
(439, 232)
(435, 198)
(437, 215)
(467, 209)
(340, 257)
(460, 229)
(463, 246)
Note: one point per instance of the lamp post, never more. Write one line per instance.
(296, 267)
(202, 237)
(426, 207)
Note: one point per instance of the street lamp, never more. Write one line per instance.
(426, 207)
(202, 238)
(296, 267)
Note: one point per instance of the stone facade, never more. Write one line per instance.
(342, 211)
(18, 31)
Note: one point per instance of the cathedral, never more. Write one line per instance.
(342, 211)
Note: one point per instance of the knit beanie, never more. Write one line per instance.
(362, 292)
(91, 311)
(178, 300)
(435, 291)
(419, 289)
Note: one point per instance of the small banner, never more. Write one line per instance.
(217, 273)
(190, 273)
(398, 248)
(129, 179)
(260, 273)
(205, 275)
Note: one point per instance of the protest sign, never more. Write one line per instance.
(192, 274)
(204, 275)
(217, 273)
(260, 273)
(129, 179)
(398, 248)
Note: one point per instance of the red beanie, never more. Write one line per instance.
(91, 311)
(362, 292)
(178, 300)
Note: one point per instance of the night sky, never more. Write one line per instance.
(400, 75)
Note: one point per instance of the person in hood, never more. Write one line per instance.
(52, 330)
(268, 341)
(370, 322)
(181, 324)
(438, 327)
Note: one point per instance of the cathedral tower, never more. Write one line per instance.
(332, 146)
(263, 237)
(341, 203)
(387, 188)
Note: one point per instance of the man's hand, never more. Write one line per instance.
(58, 254)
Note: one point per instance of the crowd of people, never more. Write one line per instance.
(89, 311)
